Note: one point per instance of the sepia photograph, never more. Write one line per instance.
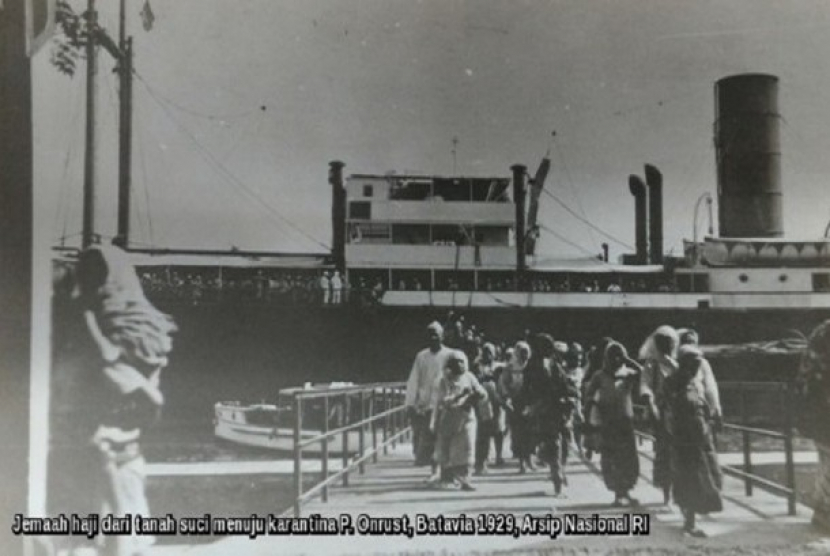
(427, 277)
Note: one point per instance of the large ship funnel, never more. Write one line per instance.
(748, 151)
(654, 180)
(338, 214)
(638, 189)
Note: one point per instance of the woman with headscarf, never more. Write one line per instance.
(706, 376)
(696, 476)
(488, 411)
(133, 340)
(613, 390)
(575, 372)
(500, 431)
(551, 400)
(658, 355)
(511, 392)
(590, 427)
(454, 417)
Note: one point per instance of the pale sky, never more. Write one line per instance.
(244, 102)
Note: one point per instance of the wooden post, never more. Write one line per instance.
(788, 451)
(385, 421)
(298, 453)
(747, 445)
(747, 462)
(395, 420)
(362, 433)
(406, 423)
(325, 447)
(346, 442)
(373, 413)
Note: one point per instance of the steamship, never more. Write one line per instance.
(463, 242)
(425, 245)
(469, 242)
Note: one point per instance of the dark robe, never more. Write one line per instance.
(696, 476)
(618, 447)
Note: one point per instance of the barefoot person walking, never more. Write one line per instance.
(133, 341)
(454, 420)
(614, 388)
(420, 392)
(696, 476)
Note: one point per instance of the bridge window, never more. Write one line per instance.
(405, 190)
(410, 234)
(821, 282)
(360, 210)
(450, 235)
(454, 189)
(369, 232)
(411, 280)
(489, 190)
(492, 235)
(693, 283)
(454, 280)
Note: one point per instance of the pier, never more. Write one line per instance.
(379, 484)
(757, 524)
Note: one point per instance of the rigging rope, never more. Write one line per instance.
(566, 240)
(586, 221)
(574, 190)
(148, 211)
(223, 170)
(63, 203)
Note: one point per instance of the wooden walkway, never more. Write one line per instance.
(394, 487)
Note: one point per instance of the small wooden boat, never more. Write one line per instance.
(271, 426)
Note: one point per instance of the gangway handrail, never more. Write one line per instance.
(751, 479)
(394, 428)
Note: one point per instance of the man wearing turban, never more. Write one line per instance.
(420, 395)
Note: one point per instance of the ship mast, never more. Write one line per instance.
(88, 232)
(125, 121)
(122, 53)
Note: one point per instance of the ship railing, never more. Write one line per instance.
(382, 425)
(745, 391)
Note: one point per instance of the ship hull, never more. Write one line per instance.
(249, 351)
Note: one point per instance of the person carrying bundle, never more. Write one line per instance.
(133, 341)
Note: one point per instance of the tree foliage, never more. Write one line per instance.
(70, 40)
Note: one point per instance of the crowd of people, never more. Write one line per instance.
(283, 286)
(265, 286)
(601, 285)
(467, 394)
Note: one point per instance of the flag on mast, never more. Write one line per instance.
(147, 16)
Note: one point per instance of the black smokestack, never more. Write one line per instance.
(519, 172)
(638, 189)
(338, 215)
(654, 179)
(748, 151)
